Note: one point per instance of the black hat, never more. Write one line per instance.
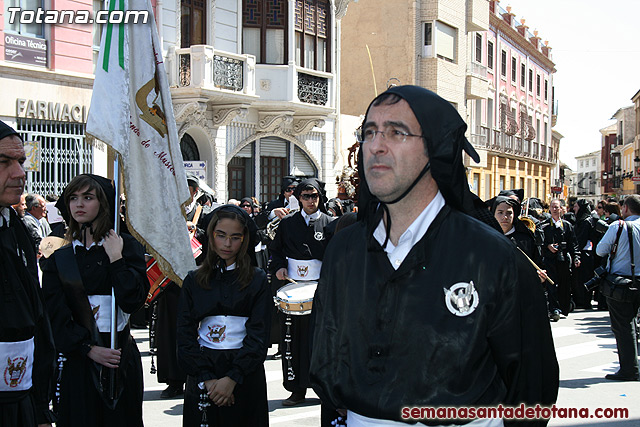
(318, 185)
(6, 130)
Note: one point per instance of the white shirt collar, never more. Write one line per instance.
(313, 216)
(77, 243)
(231, 267)
(557, 223)
(4, 211)
(413, 234)
(513, 229)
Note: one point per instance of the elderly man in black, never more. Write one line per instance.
(419, 304)
(26, 344)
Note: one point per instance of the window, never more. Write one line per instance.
(503, 64)
(530, 80)
(546, 89)
(446, 37)
(490, 55)
(522, 183)
(538, 85)
(593, 162)
(581, 164)
(502, 182)
(476, 183)
(512, 182)
(523, 75)
(192, 22)
(312, 34)
(537, 188)
(514, 68)
(427, 49)
(29, 30)
(479, 48)
(264, 25)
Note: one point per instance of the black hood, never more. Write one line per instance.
(286, 182)
(443, 130)
(318, 185)
(107, 187)
(585, 209)
(508, 200)
(251, 225)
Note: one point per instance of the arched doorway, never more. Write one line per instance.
(189, 148)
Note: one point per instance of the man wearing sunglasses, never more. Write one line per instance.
(296, 253)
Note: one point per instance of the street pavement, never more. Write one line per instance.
(585, 348)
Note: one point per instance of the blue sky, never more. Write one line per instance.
(596, 49)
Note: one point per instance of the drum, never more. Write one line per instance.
(157, 281)
(296, 298)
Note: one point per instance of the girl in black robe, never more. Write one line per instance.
(77, 283)
(223, 329)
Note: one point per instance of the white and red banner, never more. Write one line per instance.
(131, 111)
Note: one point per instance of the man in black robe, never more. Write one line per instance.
(282, 205)
(26, 344)
(560, 253)
(297, 252)
(418, 303)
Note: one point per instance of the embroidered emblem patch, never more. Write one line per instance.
(318, 235)
(217, 333)
(15, 370)
(95, 310)
(461, 299)
(303, 270)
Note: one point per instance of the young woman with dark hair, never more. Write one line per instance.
(77, 283)
(223, 329)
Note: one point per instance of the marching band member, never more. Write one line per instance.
(297, 252)
(223, 328)
(77, 283)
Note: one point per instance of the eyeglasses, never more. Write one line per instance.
(245, 206)
(222, 237)
(392, 135)
(313, 196)
(600, 207)
(289, 189)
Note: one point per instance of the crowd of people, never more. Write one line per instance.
(422, 295)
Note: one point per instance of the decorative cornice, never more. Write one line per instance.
(274, 121)
(224, 116)
(304, 125)
(184, 111)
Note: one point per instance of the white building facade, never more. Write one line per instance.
(254, 90)
(587, 177)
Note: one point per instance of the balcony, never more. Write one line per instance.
(477, 15)
(202, 67)
(477, 82)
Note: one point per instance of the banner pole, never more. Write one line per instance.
(114, 307)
